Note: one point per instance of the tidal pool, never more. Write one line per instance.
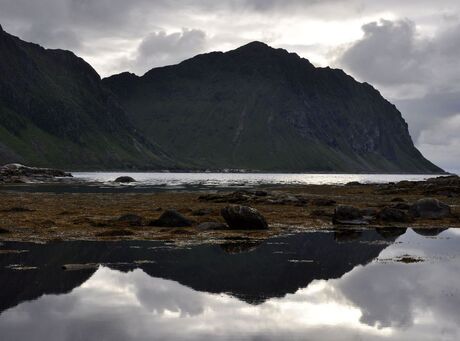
(392, 284)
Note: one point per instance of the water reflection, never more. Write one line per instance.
(296, 287)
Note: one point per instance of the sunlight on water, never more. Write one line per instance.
(245, 179)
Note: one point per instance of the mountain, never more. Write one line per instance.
(54, 111)
(266, 109)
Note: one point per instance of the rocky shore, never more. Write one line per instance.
(17, 173)
(249, 214)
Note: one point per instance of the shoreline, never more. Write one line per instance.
(45, 217)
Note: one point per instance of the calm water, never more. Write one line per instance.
(317, 285)
(184, 180)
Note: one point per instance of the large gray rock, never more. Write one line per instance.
(243, 218)
(429, 208)
(389, 214)
(171, 218)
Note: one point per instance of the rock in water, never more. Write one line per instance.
(243, 218)
(430, 208)
(171, 218)
(124, 179)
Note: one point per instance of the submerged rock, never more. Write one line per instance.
(124, 179)
(171, 218)
(430, 208)
(243, 218)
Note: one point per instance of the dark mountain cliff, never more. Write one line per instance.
(54, 111)
(262, 108)
(255, 107)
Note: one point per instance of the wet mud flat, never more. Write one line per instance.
(46, 216)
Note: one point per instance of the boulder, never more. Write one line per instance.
(430, 208)
(346, 213)
(389, 214)
(171, 218)
(243, 218)
(212, 225)
(124, 179)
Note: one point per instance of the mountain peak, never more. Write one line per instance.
(255, 47)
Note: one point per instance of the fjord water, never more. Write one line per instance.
(343, 285)
(245, 179)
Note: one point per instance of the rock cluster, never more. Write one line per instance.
(17, 173)
(425, 208)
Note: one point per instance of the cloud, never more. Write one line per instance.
(160, 48)
(420, 74)
(387, 54)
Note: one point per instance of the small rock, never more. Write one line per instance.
(430, 208)
(243, 218)
(171, 218)
(353, 183)
(130, 219)
(260, 193)
(211, 225)
(393, 215)
(2, 231)
(397, 199)
(124, 179)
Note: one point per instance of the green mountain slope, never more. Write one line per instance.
(55, 112)
(262, 108)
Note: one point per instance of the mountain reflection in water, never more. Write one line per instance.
(317, 285)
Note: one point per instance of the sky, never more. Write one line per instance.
(408, 49)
